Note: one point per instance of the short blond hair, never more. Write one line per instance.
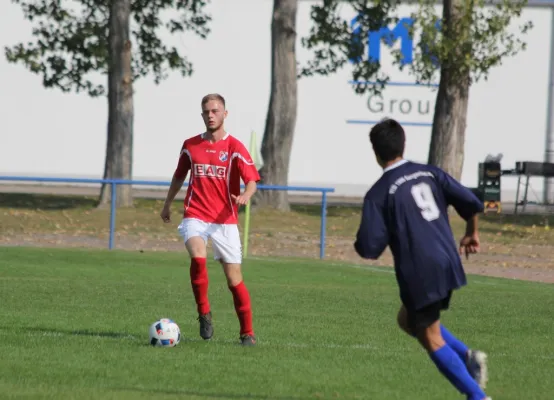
(213, 96)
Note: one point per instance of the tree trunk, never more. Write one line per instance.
(119, 150)
(281, 114)
(449, 122)
(449, 125)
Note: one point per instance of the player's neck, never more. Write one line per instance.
(215, 136)
(391, 162)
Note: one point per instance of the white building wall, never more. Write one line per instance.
(47, 133)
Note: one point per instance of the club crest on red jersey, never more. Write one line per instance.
(223, 155)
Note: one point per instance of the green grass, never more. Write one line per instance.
(74, 325)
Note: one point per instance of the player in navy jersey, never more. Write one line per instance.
(406, 209)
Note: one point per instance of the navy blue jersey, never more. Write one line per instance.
(406, 209)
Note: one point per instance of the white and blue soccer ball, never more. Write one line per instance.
(164, 333)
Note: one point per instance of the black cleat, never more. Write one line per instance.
(206, 328)
(248, 340)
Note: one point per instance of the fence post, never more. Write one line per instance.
(323, 224)
(112, 213)
(113, 204)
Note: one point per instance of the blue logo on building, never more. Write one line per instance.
(388, 36)
(369, 49)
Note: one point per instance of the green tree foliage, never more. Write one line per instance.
(460, 46)
(70, 44)
(76, 42)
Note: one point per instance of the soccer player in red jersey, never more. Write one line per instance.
(217, 162)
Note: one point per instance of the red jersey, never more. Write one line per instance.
(216, 172)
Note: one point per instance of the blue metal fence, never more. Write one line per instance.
(115, 182)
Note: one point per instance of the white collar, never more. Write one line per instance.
(395, 165)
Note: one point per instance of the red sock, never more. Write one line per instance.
(241, 298)
(199, 282)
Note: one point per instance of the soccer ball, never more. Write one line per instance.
(164, 333)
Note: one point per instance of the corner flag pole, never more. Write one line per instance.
(253, 151)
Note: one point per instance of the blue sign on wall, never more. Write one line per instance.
(388, 36)
(371, 46)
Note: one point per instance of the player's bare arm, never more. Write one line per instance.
(470, 242)
(174, 188)
(245, 197)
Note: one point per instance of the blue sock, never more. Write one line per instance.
(458, 346)
(452, 367)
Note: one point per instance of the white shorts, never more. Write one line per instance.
(225, 238)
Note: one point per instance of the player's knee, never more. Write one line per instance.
(402, 320)
(233, 273)
(430, 337)
(196, 247)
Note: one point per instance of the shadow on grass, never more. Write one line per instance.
(112, 335)
(45, 201)
(314, 210)
(490, 222)
(78, 332)
(332, 210)
(32, 201)
(208, 395)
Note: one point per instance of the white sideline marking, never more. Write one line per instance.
(385, 270)
(485, 283)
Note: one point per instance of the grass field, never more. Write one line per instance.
(74, 325)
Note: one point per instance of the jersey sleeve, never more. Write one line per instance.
(458, 196)
(373, 236)
(183, 166)
(247, 169)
